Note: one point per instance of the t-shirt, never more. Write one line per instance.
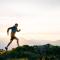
(14, 29)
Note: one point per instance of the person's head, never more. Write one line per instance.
(16, 25)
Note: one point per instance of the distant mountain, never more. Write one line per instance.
(39, 42)
(35, 42)
(57, 42)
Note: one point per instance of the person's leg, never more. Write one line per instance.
(9, 44)
(17, 41)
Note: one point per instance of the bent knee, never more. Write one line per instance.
(16, 38)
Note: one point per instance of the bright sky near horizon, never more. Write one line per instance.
(38, 19)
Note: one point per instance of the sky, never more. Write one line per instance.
(37, 19)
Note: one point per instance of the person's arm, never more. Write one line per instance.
(8, 30)
(18, 30)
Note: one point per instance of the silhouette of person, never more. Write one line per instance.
(13, 31)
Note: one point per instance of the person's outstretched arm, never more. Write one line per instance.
(8, 30)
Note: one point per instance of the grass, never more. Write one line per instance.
(18, 59)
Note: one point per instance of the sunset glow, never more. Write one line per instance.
(37, 19)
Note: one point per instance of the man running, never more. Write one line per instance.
(13, 31)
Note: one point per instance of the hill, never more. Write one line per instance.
(32, 52)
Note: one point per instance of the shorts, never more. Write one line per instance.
(13, 36)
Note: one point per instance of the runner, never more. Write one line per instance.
(13, 32)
